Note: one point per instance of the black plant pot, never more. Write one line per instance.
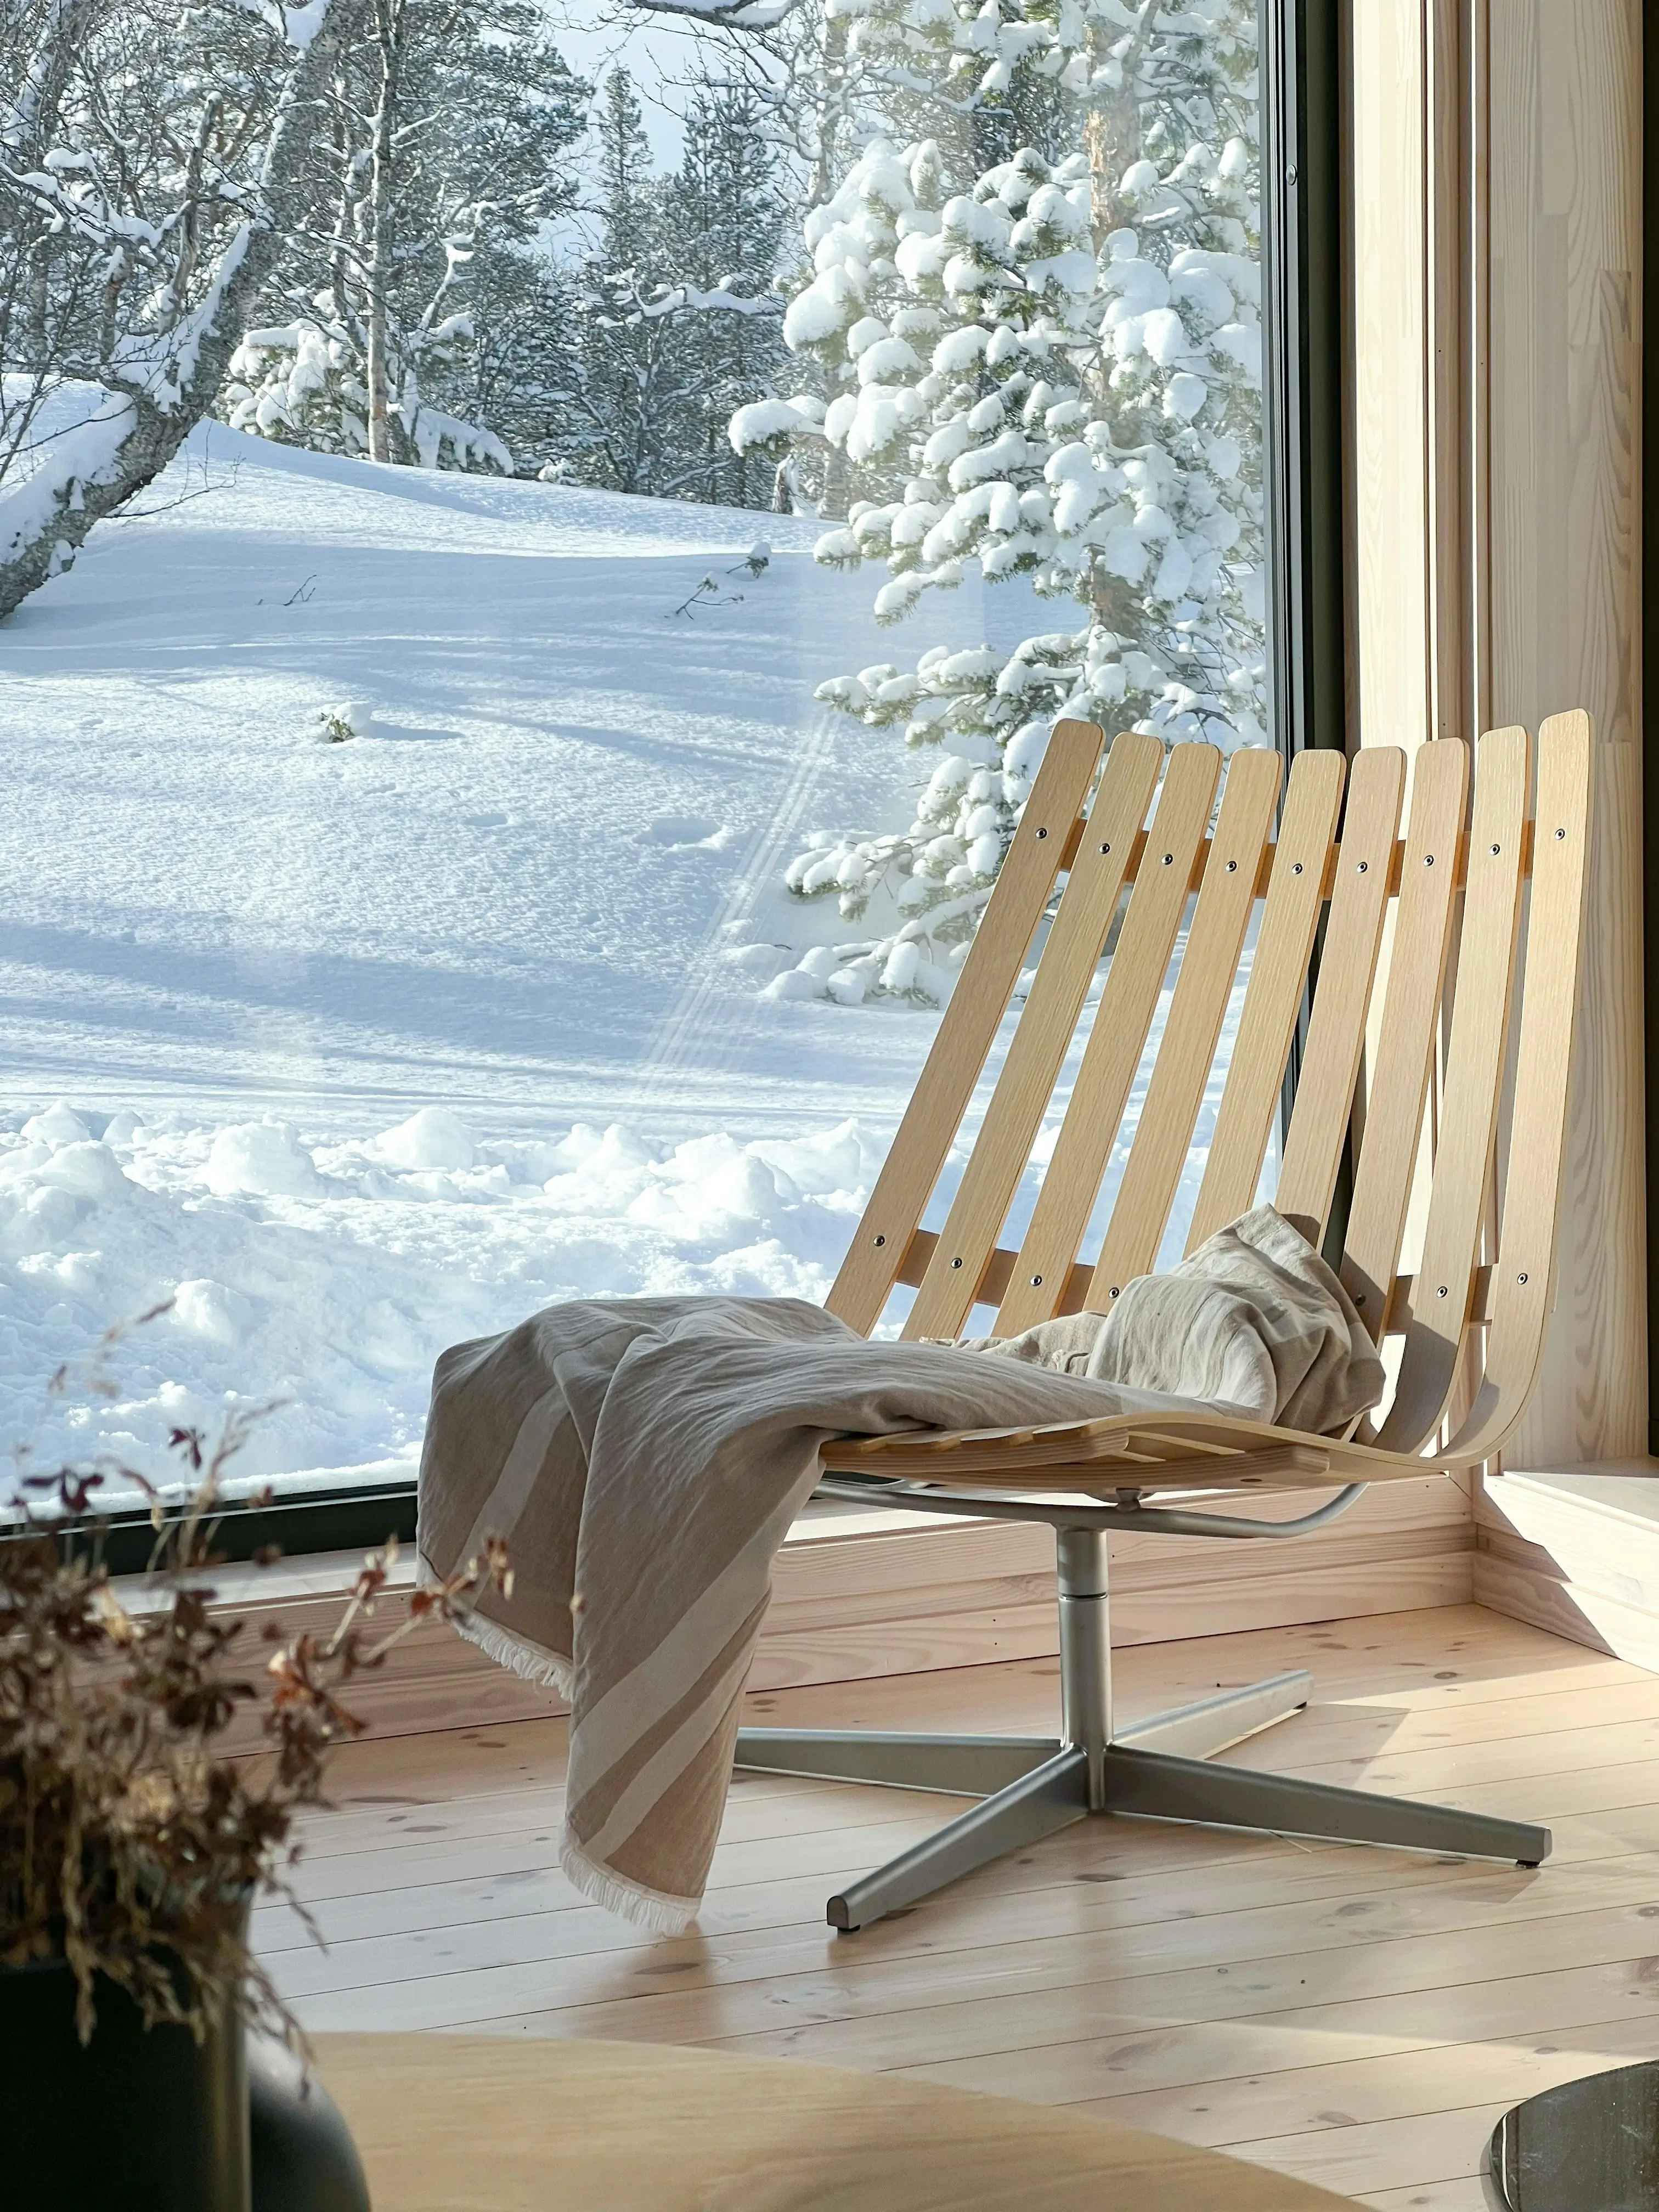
(135, 2121)
(303, 2157)
(150, 2120)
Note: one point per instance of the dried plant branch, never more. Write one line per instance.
(131, 1842)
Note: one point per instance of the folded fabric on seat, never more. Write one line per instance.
(1254, 1316)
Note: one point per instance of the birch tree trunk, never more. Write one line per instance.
(388, 38)
(154, 400)
(26, 132)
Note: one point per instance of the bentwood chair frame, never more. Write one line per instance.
(1486, 901)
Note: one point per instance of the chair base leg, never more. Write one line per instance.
(1051, 1797)
(954, 1766)
(1212, 1724)
(1162, 1787)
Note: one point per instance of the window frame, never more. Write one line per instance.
(1649, 404)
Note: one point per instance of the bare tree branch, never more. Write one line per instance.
(156, 389)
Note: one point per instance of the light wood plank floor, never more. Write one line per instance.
(1360, 2017)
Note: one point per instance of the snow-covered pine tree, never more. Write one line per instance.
(520, 368)
(1054, 373)
(446, 146)
(677, 321)
(630, 391)
(727, 217)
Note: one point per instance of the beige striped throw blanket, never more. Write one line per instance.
(644, 1457)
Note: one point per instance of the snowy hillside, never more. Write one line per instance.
(356, 1048)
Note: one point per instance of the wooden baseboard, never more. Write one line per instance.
(860, 1595)
(1575, 1550)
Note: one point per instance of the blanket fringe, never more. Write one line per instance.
(602, 1885)
(533, 1661)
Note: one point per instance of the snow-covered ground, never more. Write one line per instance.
(353, 1049)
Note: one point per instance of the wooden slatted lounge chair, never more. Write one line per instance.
(1472, 1317)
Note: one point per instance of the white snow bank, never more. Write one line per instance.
(329, 1276)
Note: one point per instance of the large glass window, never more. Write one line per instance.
(495, 820)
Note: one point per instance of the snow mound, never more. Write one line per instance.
(434, 1141)
(261, 1159)
(321, 1278)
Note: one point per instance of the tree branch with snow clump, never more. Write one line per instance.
(1050, 369)
(138, 377)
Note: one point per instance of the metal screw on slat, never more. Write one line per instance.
(1428, 860)
(1105, 848)
(1441, 1292)
(1364, 864)
(881, 1240)
(1560, 833)
(1359, 1299)
(1232, 867)
(1494, 848)
(1036, 1282)
(1168, 859)
(1519, 1279)
(1296, 867)
(1112, 1293)
(1042, 833)
(956, 1263)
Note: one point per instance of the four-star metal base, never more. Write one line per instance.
(1030, 1786)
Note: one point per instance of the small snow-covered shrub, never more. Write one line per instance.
(352, 718)
(300, 383)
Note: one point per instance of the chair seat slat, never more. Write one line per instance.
(1336, 1031)
(1410, 1014)
(969, 1027)
(1209, 968)
(1046, 1028)
(1279, 976)
(1229, 1454)
(1475, 1070)
(1122, 1019)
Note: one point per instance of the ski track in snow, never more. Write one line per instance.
(353, 1050)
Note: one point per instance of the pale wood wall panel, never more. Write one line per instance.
(1563, 253)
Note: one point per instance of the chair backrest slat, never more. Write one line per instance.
(1045, 1028)
(1186, 1053)
(1410, 1014)
(1124, 1016)
(1523, 1278)
(1279, 978)
(970, 1025)
(1347, 968)
(1468, 1115)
